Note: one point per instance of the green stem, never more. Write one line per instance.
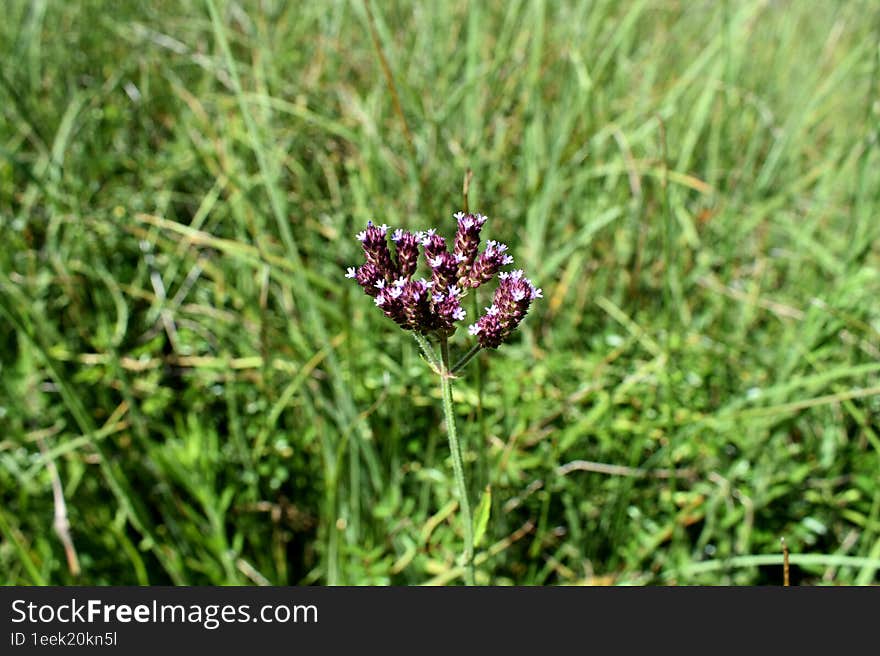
(467, 357)
(454, 448)
(428, 350)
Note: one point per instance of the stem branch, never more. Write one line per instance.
(467, 357)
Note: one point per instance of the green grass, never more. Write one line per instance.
(696, 187)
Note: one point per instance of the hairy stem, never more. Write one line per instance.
(454, 448)
(428, 350)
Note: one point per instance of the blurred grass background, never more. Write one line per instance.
(187, 374)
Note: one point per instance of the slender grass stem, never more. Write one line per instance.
(389, 78)
(454, 448)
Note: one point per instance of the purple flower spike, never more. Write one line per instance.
(487, 264)
(407, 252)
(444, 271)
(509, 307)
(376, 249)
(433, 244)
(467, 242)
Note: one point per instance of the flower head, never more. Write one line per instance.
(434, 305)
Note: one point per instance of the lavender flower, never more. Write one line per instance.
(509, 307)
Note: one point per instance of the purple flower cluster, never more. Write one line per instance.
(435, 305)
(509, 307)
(421, 304)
